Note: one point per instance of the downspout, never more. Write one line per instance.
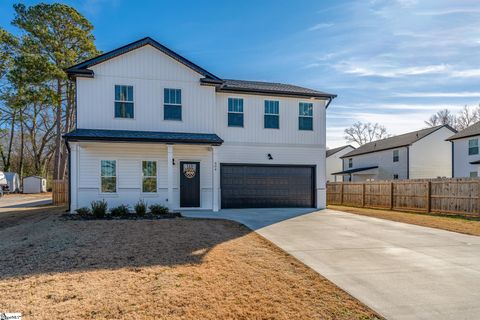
(69, 176)
(453, 159)
(329, 101)
(408, 162)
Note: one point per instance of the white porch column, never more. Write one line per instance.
(73, 177)
(215, 179)
(170, 175)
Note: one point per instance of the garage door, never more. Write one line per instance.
(263, 186)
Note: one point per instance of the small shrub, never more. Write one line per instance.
(140, 208)
(158, 209)
(84, 212)
(99, 208)
(120, 211)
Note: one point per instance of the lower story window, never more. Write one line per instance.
(149, 176)
(108, 176)
(474, 174)
(395, 176)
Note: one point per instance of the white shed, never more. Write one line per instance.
(34, 184)
(13, 181)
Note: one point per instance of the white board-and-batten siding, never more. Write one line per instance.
(204, 110)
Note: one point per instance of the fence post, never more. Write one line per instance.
(363, 194)
(429, 196)
(341, 194)
(391, 195)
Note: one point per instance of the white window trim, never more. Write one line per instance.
(302, 116)
(100, 180)
(133, 101)
(236, 112)
(172, 104)
(142, 177)
(271, 114)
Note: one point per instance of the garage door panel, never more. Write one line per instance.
(259, 186)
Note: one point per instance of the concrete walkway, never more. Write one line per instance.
(402, 271)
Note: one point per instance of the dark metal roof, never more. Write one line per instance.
(475, 162)
(225, 85)
(142, 136)
(81, 69)
(230, 85)
(473, 130)
(402, 140)
(354, 170)
(331, 152)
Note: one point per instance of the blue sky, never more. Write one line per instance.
(393, 62)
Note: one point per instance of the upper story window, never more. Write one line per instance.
(108, 176)
(271, 117)
(350, 162)
(149, 176)
(172, 107)
(235, 112)
(396, 155)
(472, 146)
(305, 116)
(124, 102)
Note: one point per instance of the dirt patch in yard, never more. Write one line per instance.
(450, 223)
(54, 268)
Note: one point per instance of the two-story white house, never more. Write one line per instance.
(153, 125)
(334, 162)
(415, 155)
(466, 157)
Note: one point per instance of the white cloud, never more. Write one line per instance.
(320, 26)
(466, 73)
(389, 71)
(407, 3)
(464, 94)
(449, 11)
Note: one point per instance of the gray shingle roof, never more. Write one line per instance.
(473, 130)
(270, 87)
(142, 136)
(331, 152)
(348, 171)
(394, 142)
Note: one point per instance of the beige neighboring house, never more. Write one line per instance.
(334, 162)
(419, 154)
(466, 157)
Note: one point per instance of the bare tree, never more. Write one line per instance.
(467, 117)
(442, 117)
(361, 133)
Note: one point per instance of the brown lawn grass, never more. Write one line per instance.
(450, 223)
(54, 268)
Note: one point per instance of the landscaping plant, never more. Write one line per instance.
(158, 209)
(120, 211)
(84, 212)
(140, 208)
(99, 208)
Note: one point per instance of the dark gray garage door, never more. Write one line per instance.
(262, 186)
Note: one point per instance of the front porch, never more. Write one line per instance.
(182, 171)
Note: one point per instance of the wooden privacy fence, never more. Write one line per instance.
(450, 196)
(60, 192)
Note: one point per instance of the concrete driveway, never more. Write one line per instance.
(402, 271)
(24, 201)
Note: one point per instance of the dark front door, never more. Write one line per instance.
(267, 186)
(190, 184)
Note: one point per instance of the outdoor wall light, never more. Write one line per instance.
(269, 156)
(173, 161)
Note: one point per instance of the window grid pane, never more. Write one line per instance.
(149, 176)
(172, 96)
(235, 105)
(108, 176)
(271, 107)
(306, 109)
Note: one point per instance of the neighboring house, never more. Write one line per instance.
(466, 157)
(414, 155)
(153, 125)
(335, 162)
